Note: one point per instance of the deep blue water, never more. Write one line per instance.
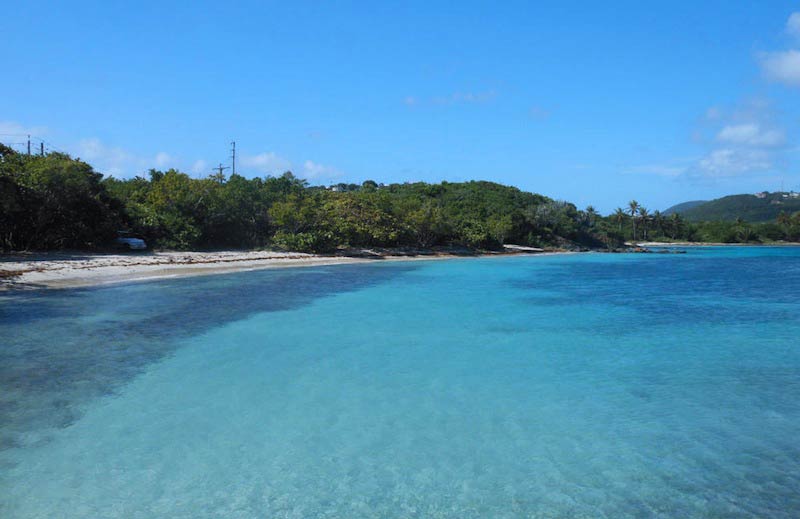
(588, 385)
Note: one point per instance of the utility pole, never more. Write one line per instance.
(233, 157)
(219, 169)
(29, 145)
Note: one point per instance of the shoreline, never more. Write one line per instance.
(709, 244)
(57, 270)
(76, 270)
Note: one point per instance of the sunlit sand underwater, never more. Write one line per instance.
(592, 385)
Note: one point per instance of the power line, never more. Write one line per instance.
(52, 146)
(49, 146)
(219, 169)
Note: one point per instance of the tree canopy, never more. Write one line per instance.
(54, 201)
(57, 202)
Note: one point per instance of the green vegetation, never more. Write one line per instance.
(637, 223)
(685, 206)
(750, 208)
(55, 202)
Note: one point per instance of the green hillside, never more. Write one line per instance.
(750, 208)
(53, 201)
(685, 206)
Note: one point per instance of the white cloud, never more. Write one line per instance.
(14, 130)
(267, 162)
(312, 170)
(410, 101)
(745, 140)
(163, 159)
(793, 25)
(273, 164)
(16, 135)
(782, 67)
(741, 140)
(199, 166)
(751, 134)
(119, 162)
(730, 162)
(106, 159)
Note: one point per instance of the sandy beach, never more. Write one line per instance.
(68, 270)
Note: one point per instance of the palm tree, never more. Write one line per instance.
(658, 221)
(745, 233)
(785, 221)
(633, 207)
(742, 230)
(675, 224)
(591, 214)
(620, 216)
(644, 214)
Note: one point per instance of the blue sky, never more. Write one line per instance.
(592, 102)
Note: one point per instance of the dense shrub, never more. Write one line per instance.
(54, 202)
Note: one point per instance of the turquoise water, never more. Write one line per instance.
(567, 386)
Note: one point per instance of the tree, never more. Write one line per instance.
(369, 185)
(633, 208)
(676, 225)
(277, 187)
(357, 220)
(784, 220)
(237, 214)
(54, 202)
(498, 229)
(176, 208)
(428, 224)
(296, 213)
(644, 214)
(745, 234)
(658, 222)
(619, 216)
(591, 215)
(6, 151)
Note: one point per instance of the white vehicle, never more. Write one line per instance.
(130, 243)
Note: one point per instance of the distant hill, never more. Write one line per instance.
(750, 208)
(679, 208)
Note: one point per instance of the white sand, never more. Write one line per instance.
(61, 270)
(74, 270)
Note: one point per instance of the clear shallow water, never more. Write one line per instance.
(570, 386)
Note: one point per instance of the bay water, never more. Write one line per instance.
(584, 385)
